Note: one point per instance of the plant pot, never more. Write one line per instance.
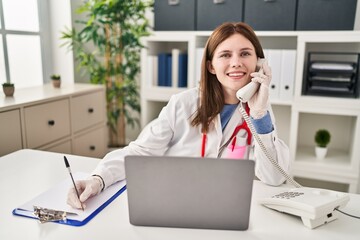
(56, 83)
(320, 152)
(9, 91)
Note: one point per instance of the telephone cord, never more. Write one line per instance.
(264, 150)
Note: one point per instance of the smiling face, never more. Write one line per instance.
(233, 61)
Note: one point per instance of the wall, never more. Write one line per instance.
(60, 16)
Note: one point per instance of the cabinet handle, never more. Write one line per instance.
(51, 122)
(173, 2)
(90, 110)
(269, 0)
(286, 87)
(272, 86)
(218, 1)
(92, 148)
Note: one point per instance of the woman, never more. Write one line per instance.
(206, 121)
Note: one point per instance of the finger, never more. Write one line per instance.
(266, 68)
(72, 199)
(86, 194)
(258, 79)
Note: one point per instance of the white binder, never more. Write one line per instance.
(287, 79)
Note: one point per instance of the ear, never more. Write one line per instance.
(210, 67)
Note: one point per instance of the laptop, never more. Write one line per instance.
(189, 192)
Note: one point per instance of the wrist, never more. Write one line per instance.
(257, 114)
(101, 182)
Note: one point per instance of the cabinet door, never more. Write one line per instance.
(64, 147)
(211, 14)
(335, 15)
(270, 15)
(10, 132)
(174, 15)
(47, 122)
(87, 110)
(91, 144)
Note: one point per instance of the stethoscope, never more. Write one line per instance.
(243, 125)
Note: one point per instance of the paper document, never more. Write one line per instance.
(332, 66)
(55, 199)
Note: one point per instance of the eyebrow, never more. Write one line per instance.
(242, 49)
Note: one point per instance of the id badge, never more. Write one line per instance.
(235, 152)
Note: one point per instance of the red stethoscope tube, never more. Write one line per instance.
(233, 136)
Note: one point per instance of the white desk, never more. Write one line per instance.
(27, 173)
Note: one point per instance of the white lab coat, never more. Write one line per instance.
(171, 134)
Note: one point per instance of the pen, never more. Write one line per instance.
(68, 168)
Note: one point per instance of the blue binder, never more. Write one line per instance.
(183, 71)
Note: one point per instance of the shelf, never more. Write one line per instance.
(299, 116)
(160, 94)
(335, 160)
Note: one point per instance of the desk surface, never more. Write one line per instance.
(27, 173)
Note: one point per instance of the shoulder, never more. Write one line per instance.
(187, 98)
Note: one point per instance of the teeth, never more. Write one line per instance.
(235, 74)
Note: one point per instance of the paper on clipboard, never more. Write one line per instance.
(55, 198)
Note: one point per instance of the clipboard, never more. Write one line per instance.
(54, 199)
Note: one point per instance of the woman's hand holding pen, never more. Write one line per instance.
(87, 188)
(259, 101)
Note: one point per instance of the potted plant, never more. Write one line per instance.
(107, 49)
(322, 139)
(56, 80)
(8, 89)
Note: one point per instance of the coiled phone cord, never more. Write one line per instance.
(263, 148)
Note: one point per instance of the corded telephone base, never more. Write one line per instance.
(313, 223)
(315, 206)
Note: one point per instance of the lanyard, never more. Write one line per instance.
(233, 136)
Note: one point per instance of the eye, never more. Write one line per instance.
(245, 53)
(225, 55)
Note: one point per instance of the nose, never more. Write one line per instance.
(236, 62)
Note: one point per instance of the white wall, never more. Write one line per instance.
(62, 59)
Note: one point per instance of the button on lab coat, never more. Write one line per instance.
(171, 134)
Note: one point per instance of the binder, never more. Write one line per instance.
(55, 199)
(274, 59)
(183, 70)
(287, 81)
(175, 67)
(162, 69)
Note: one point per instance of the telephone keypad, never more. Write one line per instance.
(288, 195)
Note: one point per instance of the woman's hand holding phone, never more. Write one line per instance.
(259, 101)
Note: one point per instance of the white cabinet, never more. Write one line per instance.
(70, 119)
(297, 116)
(10, 131)
(46, 122)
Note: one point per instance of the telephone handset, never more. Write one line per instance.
(315, 206)
(246, 92)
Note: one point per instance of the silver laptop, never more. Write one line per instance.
(189, 192)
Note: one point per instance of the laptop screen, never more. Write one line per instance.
(189, 192)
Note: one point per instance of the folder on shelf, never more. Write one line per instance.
(175, 67)
(183, 70)
(179, 68)
(274, 60)
(287, 80)
(198, 58)
(152, 71)
(168, 79)
(54, 200)
(162, 69)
